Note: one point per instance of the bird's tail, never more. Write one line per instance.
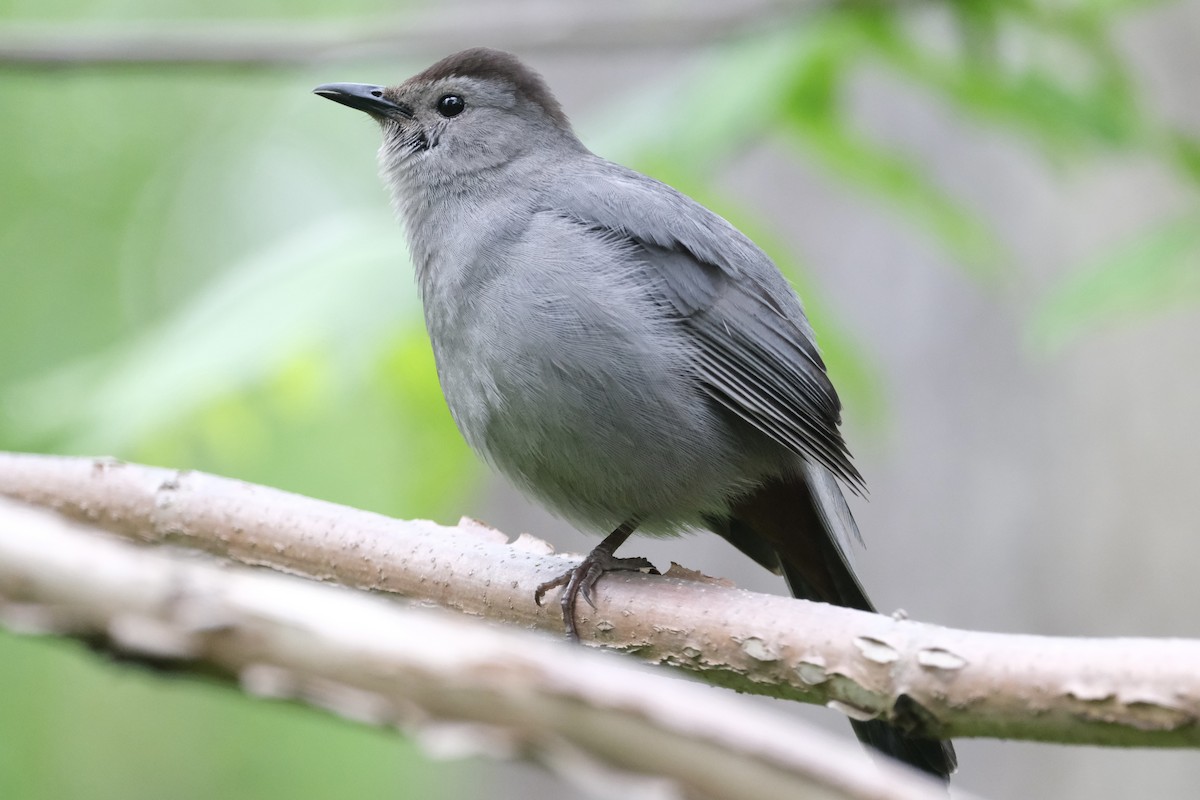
(804, 520)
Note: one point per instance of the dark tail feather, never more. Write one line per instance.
(785, 521)
(933, 756)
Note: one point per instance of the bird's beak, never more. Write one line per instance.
(364, 97)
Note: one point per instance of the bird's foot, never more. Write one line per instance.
(582, 579)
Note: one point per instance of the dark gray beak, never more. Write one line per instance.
(364, 97)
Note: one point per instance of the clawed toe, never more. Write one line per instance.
(539, 594)
(581, 580)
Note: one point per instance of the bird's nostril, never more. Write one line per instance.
(376, 93)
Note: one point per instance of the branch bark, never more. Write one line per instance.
(932, 680)
(460, 687)
(528, 27)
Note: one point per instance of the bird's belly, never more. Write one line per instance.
(600, 452)
(597, 424)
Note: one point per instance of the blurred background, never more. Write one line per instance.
(992, 210)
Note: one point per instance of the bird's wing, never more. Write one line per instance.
(757, 354)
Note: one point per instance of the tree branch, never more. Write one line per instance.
(932, 680)
(528, 27)
(460, 687)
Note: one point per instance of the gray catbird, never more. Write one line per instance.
(621, 352)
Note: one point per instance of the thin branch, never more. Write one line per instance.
(528, 27)
(452, 683)
(932, 680)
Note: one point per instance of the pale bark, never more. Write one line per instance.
(939, 681)
(459, 686)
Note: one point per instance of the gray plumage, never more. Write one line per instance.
(561, 289)
(621, 352)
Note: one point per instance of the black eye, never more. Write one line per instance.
(451, 105)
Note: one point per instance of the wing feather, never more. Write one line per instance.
(757, 356)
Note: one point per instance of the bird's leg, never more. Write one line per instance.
(580, 579)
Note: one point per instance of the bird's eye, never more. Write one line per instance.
(450, 105)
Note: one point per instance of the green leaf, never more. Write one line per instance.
(1156, 270)
(902, 186)
(337, 286)
(1092, 102)
(812, 118)
(702, 114)
(1184, 151)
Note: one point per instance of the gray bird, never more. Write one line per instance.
(618, 350)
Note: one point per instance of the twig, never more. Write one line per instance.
(527, 27)
(456, 685)
(936, 681)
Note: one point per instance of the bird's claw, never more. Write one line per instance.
(581, 580)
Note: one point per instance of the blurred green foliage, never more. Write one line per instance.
(197, 270)
(73, 727)
(200, 271)
(1156, 271)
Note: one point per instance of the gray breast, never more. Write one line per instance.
(562, 369)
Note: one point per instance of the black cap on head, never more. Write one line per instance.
(496, 65)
